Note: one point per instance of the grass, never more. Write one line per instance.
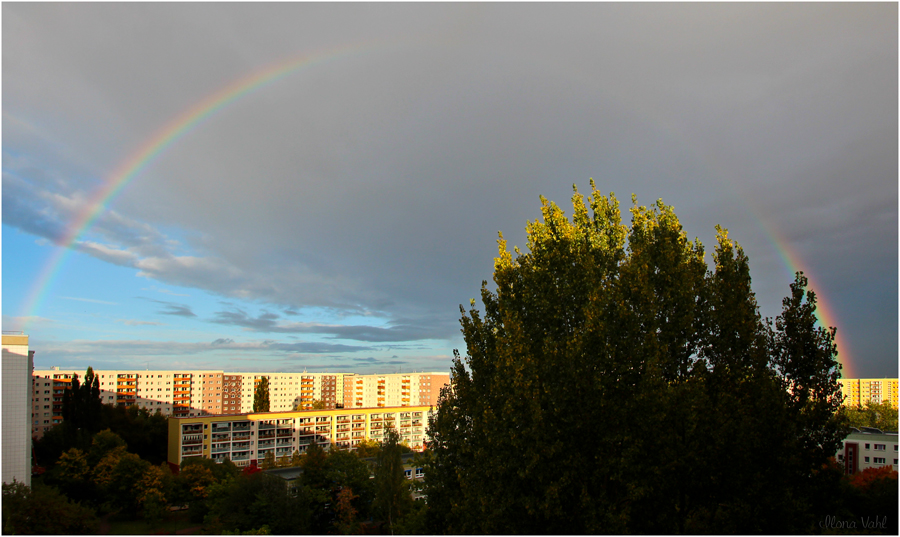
(121, 525)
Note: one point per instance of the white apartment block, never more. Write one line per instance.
(210, 392)
(868, 448)
(16, 439)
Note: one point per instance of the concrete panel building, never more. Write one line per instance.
(216, 392)
(858, 391)
(16, 415)
(247, 438)
(868, 448)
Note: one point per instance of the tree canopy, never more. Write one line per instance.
(261, 396)
(615, 383)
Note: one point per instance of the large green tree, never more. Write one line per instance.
(392, 498)
(615, 383)
(261, 396)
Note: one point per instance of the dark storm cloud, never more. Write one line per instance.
(374, 183)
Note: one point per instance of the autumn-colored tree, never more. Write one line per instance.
(368, 448)
(346, 522)
(154, 491)
(261, 396)
(611, 369)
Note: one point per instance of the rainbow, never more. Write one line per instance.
(141, 159)
(194, 116)
(824, 312)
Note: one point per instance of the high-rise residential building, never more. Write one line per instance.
(16, 418)
(857, 391)
(247, 438)
(397, 389)
(215, 392)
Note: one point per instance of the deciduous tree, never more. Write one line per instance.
(261, 396)
(392, 499)
(610, 371)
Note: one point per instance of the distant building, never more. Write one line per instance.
(16, 419)
(858, 391)
(868, 447)
(245, 439)
(182, 393)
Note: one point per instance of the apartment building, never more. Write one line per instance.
(399, 389)
(173, 393)
(867, 447)
(211, 392)
(247, 438)
(16, 437)
(858, 391)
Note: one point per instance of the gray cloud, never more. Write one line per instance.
(373, 183)
(401, 330)
(180, 310)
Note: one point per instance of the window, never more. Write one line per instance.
(867, 459)
(879, 460)
(867, 447)
(879, 447)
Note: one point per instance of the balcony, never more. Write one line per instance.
(243, 426)
(266, 434)
(216, 438)
(284, 432)
(223, 448)
(191, 440)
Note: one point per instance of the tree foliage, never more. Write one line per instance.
(81, 402)
(261, 396)
(250, 502)
(879, 415)
(616, 384)
(44, 510)
(392, 498)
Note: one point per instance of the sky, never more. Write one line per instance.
(290, 187)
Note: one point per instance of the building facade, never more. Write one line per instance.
(211, 392)
(858, 391)
(868, 448)
(16, 416)
(246, 438)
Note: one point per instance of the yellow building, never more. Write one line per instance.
(858, 391)
(247, 438)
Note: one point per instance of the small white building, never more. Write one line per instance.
(868, 447)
